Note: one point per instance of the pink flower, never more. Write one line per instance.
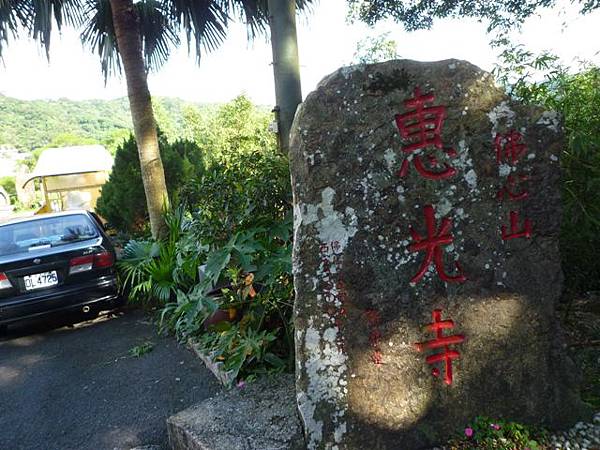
(241, 384)
(468, 432)
(495, 426)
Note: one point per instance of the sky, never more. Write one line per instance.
(326, 42)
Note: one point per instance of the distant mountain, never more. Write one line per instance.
(30, 124)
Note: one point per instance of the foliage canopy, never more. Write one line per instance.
(417, 15)
(375, 49)
(162, 22)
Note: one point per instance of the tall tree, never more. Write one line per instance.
(127, 31)
(135, 38)
(286, 66)
(115, 25)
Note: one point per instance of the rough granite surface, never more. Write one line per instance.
(361, 383)
(260, 416)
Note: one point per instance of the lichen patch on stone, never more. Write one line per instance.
(551, 119)
(501, 115)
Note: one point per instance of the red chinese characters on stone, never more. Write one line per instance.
(509, 147)
(432, 246)
(343, 298)
(509, 188)
(373, 321)
(421, 126)
(509, 150)
(438, 326)
(514, 228)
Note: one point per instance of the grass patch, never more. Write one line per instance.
(141, 350)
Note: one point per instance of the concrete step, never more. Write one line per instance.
(260, 416)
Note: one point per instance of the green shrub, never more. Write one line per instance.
(151, 272)
(123, 201)
(234, 220)
(249, 278)
(578, 98)
(246, 190)
(253, 271)
(246, 181)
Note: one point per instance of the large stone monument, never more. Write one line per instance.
(426, 259)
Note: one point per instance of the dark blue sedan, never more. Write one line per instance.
(55, 263)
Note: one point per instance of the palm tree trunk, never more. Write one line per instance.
(127, 30)
(286, 66)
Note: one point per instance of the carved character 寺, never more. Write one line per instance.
(441, 341)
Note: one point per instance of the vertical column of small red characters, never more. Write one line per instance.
(421, 129)
(373, 321)
(509, 151)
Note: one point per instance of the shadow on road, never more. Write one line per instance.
(72, 384)
(56, 321)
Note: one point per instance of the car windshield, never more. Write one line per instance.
(45, 232)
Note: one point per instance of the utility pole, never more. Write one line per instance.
(286, 66)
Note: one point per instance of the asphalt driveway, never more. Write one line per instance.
(81, 388)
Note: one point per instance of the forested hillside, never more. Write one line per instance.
(28, 125)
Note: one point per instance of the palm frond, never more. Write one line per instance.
(255, 13)
(37, 18)
(203, 21)
(99, 34)
(8, 22)
(158, 31)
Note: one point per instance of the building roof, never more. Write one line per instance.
(71, 160)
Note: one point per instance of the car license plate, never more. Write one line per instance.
(40, 280)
